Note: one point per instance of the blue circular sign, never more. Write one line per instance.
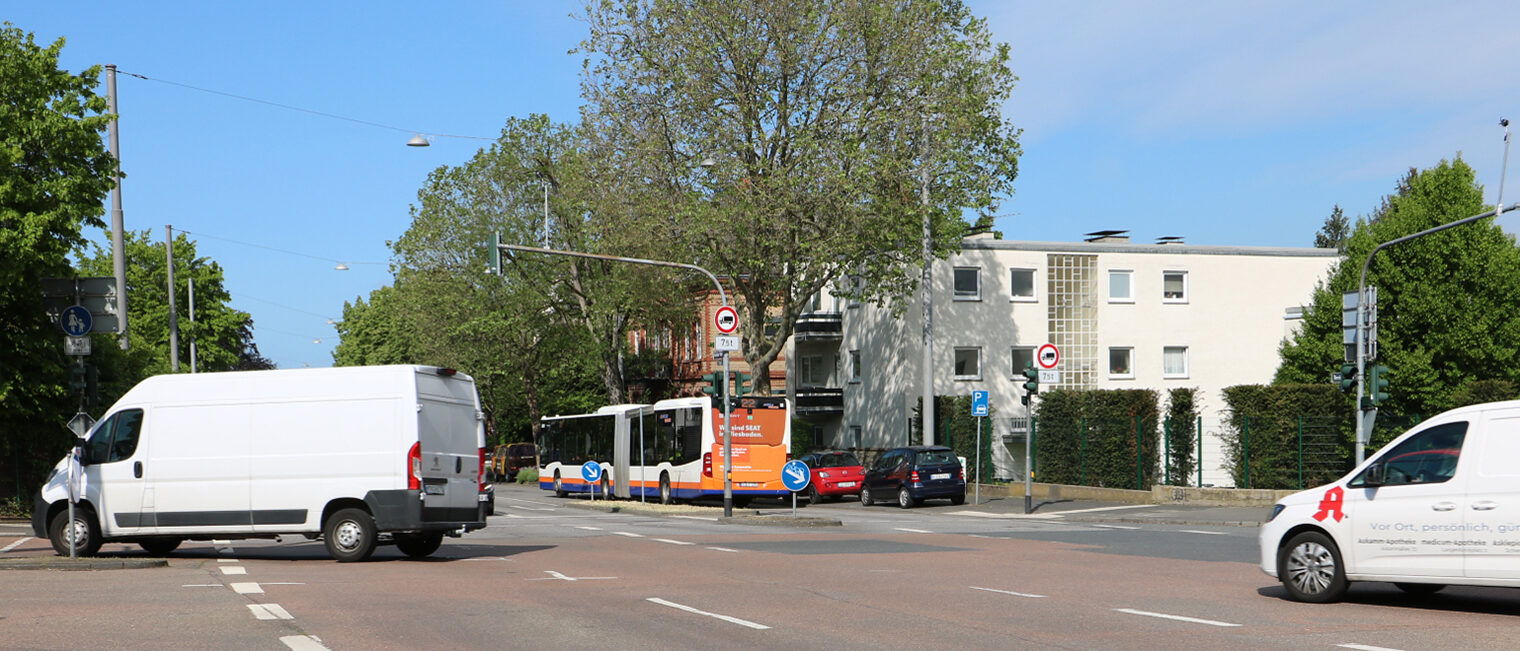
(591, 471)
(795, 475)
(76, 321)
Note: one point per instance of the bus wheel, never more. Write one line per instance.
(606, 494)
(559, 489)
(665, 495)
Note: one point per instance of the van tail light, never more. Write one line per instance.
(707, 464)
(482, 476)
(414, 467)
(914, 477)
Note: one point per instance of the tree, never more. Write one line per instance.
(1448, 312)
(837, 128)
(54, 177)
(1335, 231)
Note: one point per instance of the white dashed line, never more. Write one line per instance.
(556, 576)
(630, 535)
(695, 517)
(234, 569)
(1016, 594)
(1206, 533)
(1115, 526)
(303, 643)
(269, 611)
(14, 544)
(1180, 618)
(724, 549)
(228, 560)
(1364, 647)
(589, 528)
(246, 588)
(726, 618)
(912, 530)
(673, 542)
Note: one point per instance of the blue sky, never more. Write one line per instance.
(1224, 123)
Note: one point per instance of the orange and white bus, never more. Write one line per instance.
(671, 451)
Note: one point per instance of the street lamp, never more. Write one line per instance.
(418, 140)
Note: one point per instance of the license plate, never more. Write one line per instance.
(749, 484)
(847, 484)
(433, 489)
(940, 475)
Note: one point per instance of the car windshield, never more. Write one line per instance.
(936, 457)
(839, 460)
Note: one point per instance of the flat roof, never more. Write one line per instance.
(1131, 247)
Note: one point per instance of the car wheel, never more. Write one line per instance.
(812, 495)
(350, 535)
(1420, 589)
(1310, 568)
(958, 499)
(865, 496)
(85, 532)
(418, 545)
(559, 489)
(666, 497)
(904, 498)
(159, 546)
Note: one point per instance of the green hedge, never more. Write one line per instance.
(1181, 429)
(1287, 436)
(1097, 438)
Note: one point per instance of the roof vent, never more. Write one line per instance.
(1170, 239)
(1105, 237)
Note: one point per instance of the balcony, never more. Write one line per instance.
(819, 326)
(817, 401)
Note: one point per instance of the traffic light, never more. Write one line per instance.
(495, 254)
(1377, 384)
(1031, 378)
(741, 383)
(77, 379)
(1348, 377)
(714, 383)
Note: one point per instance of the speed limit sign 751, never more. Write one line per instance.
(726, 319)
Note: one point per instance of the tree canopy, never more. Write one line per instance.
(1448, 312)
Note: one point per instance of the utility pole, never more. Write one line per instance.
(173, 317)
(118, 222)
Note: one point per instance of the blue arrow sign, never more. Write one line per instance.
(76, 321)
(591, 471)
(795, 475)
(978, 403)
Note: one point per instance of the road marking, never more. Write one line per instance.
(911, 530)
(14, 544)
(1179, 618)
(630, 535)
(1115, 526)
(1006, 516)
(1364, 647)
(228, 560)
(234, 569)
(673, 542)
(269, 611)
(724, 549)
(726, 618)
(490, 558)
(1016, 594)
(303, 643)
(1206, 533)
(556, 576)
(590, 528)
(695, 517)
(246, 588)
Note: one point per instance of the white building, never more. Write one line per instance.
(1124, 316)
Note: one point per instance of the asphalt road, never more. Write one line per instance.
(545, 574)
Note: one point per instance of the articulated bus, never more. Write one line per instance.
(672, 450)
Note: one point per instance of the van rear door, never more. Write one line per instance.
(451, 434)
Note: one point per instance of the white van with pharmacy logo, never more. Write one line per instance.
(357, 456)
(1438, 506)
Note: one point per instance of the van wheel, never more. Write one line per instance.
(904, 498)
(350, 535)
(1310, 568)
(865, 496)
(1420, 589)
(159, 546)
(418, 545)
(86, 532)
(559, 489)
(666, 497)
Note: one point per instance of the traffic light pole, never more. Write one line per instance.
(1366, 417)
(728, 445)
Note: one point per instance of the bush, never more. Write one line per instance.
(1097, 438)
(1181, 433)
(527, 476)
(1269, 425)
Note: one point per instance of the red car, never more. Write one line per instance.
(835, 474)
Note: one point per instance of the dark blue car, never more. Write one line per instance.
(914, 474)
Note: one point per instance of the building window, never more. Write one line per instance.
(1121, 363)
(1023, 357)
(1174, 362)
(1021, 285)
(968, 363)
(1174, 287)
(1121, 287)
(855, 437)
(854, 366)
(814, 370)
(968, 283)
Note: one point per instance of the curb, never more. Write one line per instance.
(79, 564)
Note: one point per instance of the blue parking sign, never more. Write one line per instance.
(979, 403)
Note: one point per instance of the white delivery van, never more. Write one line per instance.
(357, 456)
(1439, 505)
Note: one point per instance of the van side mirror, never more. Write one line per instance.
(1373, 475)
